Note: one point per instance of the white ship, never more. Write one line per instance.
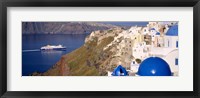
(52, 47)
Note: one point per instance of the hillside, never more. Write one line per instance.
(63, 27)
(94, 58)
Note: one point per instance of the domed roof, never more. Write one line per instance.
(119, 71)
(152, 29)
(173, 31)
(154, 66)
(157, 33)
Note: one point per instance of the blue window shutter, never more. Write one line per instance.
(176, 61)
(176, 44)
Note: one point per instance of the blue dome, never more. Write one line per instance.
(154, 66)
(120, 71)
(173, 31)
(152, 29)
(158, 33)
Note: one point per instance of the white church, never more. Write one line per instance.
(168, 50)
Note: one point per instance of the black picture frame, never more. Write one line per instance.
(99, 3)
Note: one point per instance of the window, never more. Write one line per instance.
(168, 43)
(176, 44)
(176, 61)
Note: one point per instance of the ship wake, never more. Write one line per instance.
(31, 50)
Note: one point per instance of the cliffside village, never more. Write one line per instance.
(137, 44)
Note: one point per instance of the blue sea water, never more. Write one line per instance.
(34, 60)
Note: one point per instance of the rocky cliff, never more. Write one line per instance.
(94, 58)
(63, 27)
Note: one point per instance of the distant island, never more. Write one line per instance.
(63, 27)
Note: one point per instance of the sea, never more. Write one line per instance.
(34, 60)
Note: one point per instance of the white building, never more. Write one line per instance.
(134, 67)
(170, 55)
(171, 38)
(141, 50)
(145, 31)
(165, 47)
(135, 29)
(159, 40)
(153, 35)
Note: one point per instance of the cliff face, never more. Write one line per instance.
(63, 27)
(94, 58)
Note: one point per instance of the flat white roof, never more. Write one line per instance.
(162, 50)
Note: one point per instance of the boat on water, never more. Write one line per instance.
(52, 47)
